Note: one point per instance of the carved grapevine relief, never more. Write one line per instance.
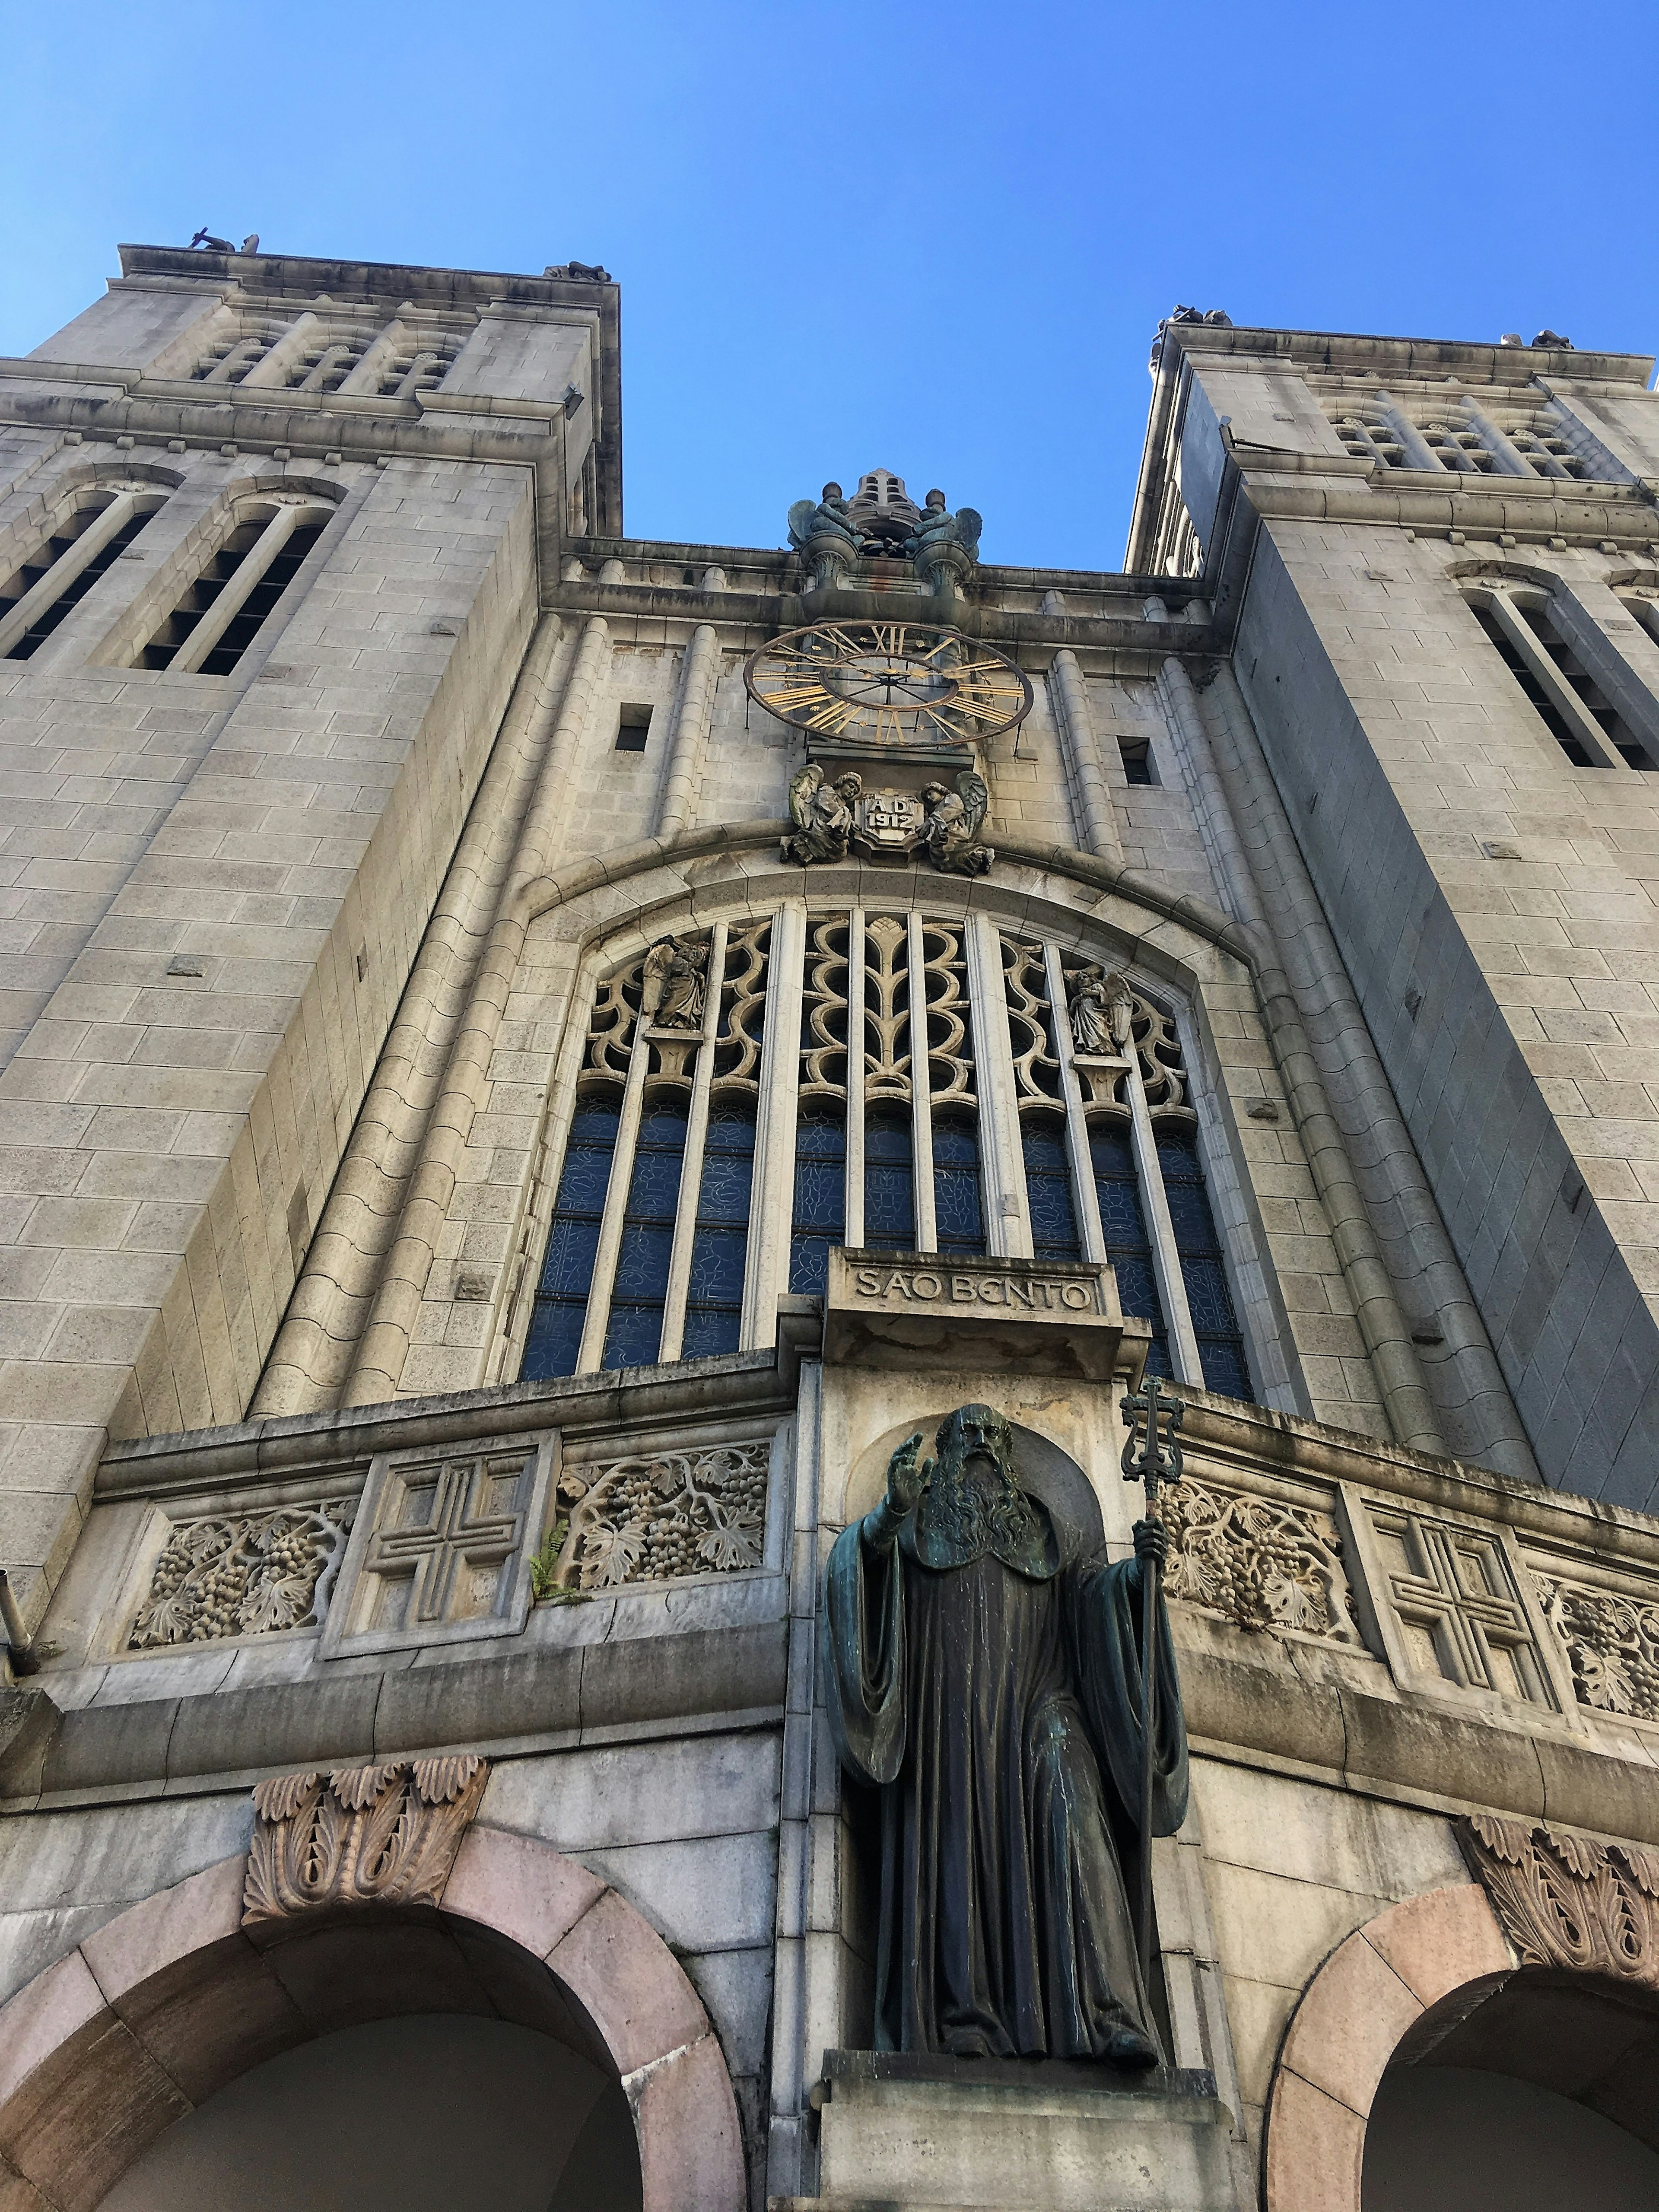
(1611, 1644)
(243, 1574)
(657, 1517)
(1565, 1901)
(1258, 1562)
(363, 1835)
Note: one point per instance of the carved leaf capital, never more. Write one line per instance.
(1566, 1900)
(383, 1834)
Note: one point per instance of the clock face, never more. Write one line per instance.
(888, 683)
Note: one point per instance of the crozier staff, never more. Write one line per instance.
(988, 1681)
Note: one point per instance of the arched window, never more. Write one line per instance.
(920, 1039)
(60, 572)
(217, 620)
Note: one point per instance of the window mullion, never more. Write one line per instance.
(598, 1317)
(921, 1094)
(1166, 1256)
(1086, 1195)
(685, 1214)
(854, 1204)
(1561, 695)
(238, 588)
(772, 1210)
(382, 351)
(1511, 463)
(51, 587)
(273, 366)
(1002, 1162)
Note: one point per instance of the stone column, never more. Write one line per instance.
(1088, 774)
(385, 1342)
(689, 735)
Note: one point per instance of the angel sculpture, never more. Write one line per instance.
(826, 535)
(821, 813)
(951, 838)
(675, 980)
(1102, 1010)
(945, 546)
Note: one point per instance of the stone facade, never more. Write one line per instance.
(477, 1213)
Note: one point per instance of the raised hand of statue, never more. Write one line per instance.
(905, 1478)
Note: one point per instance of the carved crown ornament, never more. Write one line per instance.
(361, 1835)
(1567, 1901)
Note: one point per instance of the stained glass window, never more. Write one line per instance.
(1048, 1189)
(958, 1217)
(714, 1299)
(1221, 1341)
(889, 1183)
(556, 1326)
(1129, 1247)
(820, 1197)
(634, 1330)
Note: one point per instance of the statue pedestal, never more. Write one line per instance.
(927, 2133)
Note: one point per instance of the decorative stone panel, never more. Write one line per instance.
(658, 1517)
(226, 1575)
(442, 1546)
(1453, 1603)
(1260, 1562)
(1567, 1901)
(363, 1835)
(1612, 1644)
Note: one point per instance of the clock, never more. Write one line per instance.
(898, 684)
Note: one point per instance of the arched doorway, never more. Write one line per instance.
(1425, 2068)
(1538, 2095)
(173, 2047)
(425, 2114)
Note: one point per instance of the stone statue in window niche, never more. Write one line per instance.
(1102, 1010)
(986, 1678)
(821, 813)
(952, 836)
(674, 978)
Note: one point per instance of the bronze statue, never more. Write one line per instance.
(945, 546)
(826, 534)
(821, 813)
(987, 1679)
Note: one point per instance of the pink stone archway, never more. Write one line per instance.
(1368, 1994)
(173, 1998)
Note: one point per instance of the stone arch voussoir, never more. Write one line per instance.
(1352, 2015)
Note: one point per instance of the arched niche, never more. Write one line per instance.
(1047, 1471)
(157, 2013)
(1477, 2074)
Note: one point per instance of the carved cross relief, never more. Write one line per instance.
(451, 1526)
(442, 1547)
(1459, 1611)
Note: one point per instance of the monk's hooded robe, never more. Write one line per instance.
(987, 1680)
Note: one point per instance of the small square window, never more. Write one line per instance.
(633, 729)
(1137, 760)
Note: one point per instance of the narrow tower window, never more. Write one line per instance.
(223, 611)
(35, 598)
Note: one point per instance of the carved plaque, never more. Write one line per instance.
(903, 1309)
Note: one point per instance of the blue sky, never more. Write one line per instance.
(933, 239)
